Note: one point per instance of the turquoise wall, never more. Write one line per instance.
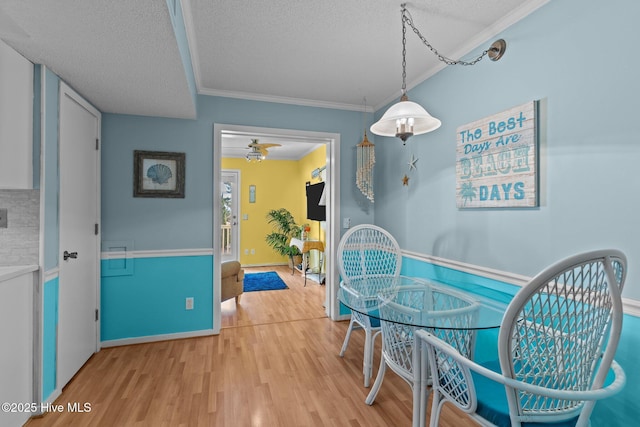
(563, 55)
(151, 300)
(49, 337)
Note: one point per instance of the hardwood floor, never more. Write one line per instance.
(275, 363)
(257, 308)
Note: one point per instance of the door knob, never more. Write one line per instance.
(66, 255)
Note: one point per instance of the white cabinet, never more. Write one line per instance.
(16, 335)
(16, 119)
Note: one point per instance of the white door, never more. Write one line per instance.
(230, 229)
(79, 241)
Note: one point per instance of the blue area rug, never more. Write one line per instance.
(269, 281)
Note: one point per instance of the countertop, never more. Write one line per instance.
(7, 273)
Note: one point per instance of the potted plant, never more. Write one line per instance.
(284, 228)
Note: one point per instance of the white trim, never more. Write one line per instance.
(332, 141)
(191, 41)
(42, 172)
(155, 338)
(268, 264)
(631, 306)
(236, 198)
(195, 65)
(332, 179)
(7, 273)
(502, 276)
(52, 398)
(156, 253)
(48, 275)
(216, 225)
(281, 99)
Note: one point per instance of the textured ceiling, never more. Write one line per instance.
(335, 52)
(122, 55)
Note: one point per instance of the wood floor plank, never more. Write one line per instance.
(275, 363)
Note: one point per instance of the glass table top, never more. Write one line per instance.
(422, 303)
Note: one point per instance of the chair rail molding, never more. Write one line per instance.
(631, 306)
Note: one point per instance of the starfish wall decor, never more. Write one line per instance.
(412, 163)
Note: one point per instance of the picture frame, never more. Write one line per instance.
(497, 160)
(158, 174)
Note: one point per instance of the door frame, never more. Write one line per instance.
(235, 203)
(332, 141)
(66, 91)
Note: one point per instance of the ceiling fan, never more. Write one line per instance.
(258, 151)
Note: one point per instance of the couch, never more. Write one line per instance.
(232, 281)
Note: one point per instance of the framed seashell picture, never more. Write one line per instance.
(158, 174)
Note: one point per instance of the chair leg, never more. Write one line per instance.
(369, 344)
(436, 407)
(345, 344)
(366, 361)
(371, 397)
(238, 299)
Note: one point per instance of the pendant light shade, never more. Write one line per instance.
(404, 119)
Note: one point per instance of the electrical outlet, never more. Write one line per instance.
(246, 251)
(188, 303)
(253, 251)
(346, 222)
(3, 218)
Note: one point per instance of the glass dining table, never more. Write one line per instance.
(365, 295)
(454, 311)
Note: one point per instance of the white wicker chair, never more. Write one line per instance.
(367, 251)
(556, 346)
(454, 313)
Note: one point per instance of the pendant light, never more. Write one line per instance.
(407, 118)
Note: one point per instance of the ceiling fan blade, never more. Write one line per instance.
(263, 151)
(268, 145)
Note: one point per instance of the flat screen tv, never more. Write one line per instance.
(314, 210)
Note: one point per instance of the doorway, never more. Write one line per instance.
(332, 142)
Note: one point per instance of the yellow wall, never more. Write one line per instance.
(279, 184)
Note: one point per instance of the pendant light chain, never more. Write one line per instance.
(406, 18)
(406, 118)
(404, 53)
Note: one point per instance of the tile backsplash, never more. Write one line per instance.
(19, 242)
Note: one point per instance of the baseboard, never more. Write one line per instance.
(275, 264)
(155, 338)
(46, 403)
